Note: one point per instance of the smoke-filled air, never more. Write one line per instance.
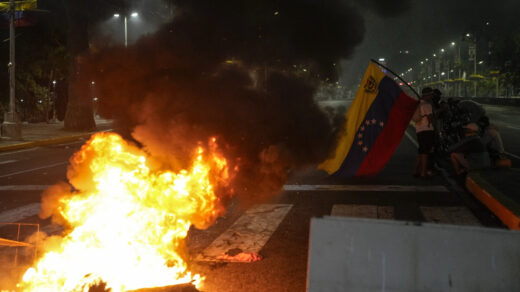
(242, 71)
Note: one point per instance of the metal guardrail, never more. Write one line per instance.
(17, 243)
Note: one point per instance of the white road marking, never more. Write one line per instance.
(512, 155)
(7, 161)
(411, 139)
(18, 151)
(71, 143)
(24, 188)
(366, 188)
(363, 211)
(248, 234)
(20, 213)
(33, 169)
(52, 229)
(449, 215)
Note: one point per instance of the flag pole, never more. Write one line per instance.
(396, 75)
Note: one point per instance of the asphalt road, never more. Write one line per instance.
(394, 194)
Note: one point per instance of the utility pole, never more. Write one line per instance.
(475, 71)
(11, 126)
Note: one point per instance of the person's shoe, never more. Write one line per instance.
(427, 175)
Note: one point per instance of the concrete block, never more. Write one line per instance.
(352, 254)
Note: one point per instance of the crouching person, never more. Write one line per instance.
(470, 153)
(493, 142)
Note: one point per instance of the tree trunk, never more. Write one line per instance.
(79, 115)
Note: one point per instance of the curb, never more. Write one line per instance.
(51, 141)
(504, 208)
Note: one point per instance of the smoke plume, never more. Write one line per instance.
(244, 72)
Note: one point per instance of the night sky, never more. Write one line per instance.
(424, 27)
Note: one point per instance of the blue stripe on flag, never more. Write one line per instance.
(373, 124)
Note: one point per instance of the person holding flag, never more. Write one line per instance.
(374, 126)
(423, 119)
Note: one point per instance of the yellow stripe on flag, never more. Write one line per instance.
(367, 92)
(20, 5)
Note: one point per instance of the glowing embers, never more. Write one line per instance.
(126, 222)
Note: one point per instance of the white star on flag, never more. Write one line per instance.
(381, 123)
(374, 121)
(360, 135)
(362, 128)
(360, 142)
(365, 149)
(367, 122)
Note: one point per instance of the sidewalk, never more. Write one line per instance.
(39, 134)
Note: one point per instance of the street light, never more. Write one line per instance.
(133, 15)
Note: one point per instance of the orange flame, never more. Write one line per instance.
(128, 222)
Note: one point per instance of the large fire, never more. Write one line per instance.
(127, 221)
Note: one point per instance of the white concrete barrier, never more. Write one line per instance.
(353, 254)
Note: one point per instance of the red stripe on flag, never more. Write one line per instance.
(390, 137)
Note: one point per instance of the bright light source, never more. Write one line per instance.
(442, 74)
(468, 35)
(381, 59)
(480, 62)
(422, 62)
(54, 82)
(93, 82)
(442, 50)
(435, 55)
(134, 14)
(410, 69)
(116, 15)
(426, 59)
(452, 43)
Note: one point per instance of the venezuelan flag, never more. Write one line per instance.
(19, 5)
(375, 124)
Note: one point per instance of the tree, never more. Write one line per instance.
(39, 67)
(79, 114)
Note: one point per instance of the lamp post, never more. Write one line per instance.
(125, 21)
(11, 126)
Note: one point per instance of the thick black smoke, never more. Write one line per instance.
(242, 71)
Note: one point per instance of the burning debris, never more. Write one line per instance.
(127, 219)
